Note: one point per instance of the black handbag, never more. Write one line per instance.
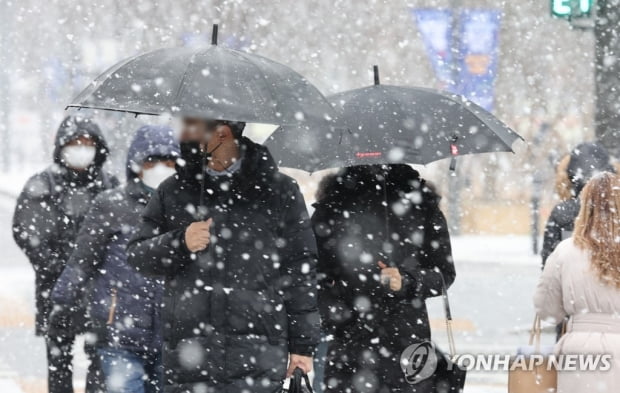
(449, 377)
(430, 369)
(297, 381)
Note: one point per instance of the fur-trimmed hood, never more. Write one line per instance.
(367, 181)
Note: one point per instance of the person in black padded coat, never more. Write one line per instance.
(378, 263)
(47, 218)
(240, 293)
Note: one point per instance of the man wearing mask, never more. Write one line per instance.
(48, 215)
(232, 237)
(124, 305)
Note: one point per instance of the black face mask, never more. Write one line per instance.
(190, 152)
(193, 156)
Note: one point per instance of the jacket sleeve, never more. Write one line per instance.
(422, 278)
(334, 309)
(88, 255)
(548, 296)
(297, 250)
(34, 222)
(155, 250)
(552, 236)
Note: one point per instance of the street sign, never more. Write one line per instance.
(571, 9)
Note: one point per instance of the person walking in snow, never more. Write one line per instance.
(232, 237)
(581, 279)
(384, 248)
(586, 160)
(46, 221)
(124, 305)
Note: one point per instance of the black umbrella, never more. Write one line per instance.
(209, 82)
(392, 124)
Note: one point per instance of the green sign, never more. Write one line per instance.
(572, 8)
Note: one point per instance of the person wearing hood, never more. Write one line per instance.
(123, 304)
(384, 248)
(46, 221)
(232, 237)
(586, 160)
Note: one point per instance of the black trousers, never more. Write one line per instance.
(60, 366)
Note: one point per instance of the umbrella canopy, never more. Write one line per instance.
(392, 124)
(210, 82)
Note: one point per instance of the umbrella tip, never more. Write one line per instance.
(375, 70)
(214, 35)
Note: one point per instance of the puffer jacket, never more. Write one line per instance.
(364, 215)
(51, 208)
(233, 312)
(124, 305)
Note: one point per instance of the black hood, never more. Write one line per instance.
(366, 182)
(75, 126)
(587, 160)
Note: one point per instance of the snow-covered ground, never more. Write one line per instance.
(491, 301)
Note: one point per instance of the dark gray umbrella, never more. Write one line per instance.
(392, 124)
(210, 82)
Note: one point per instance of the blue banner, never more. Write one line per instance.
(435, 26)
(478, 54)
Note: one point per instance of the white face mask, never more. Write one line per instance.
(78, 156)
(154, 176)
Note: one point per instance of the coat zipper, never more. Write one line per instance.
(112, 307)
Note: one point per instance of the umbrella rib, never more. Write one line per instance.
(271, 92)
(400, 107)
(103, 77)
(182, 83)
(517, 136)
(451, 97)
(103, 108)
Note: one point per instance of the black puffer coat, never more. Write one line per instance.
(372, 325)
(51, 208)
(586, 160)
(233, 312)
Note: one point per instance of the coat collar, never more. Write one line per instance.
(257, 172)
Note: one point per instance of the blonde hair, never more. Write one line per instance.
(597, 228)
(563, 186)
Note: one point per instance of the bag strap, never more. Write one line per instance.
(448, 313)
(535, 334)
(308, 384)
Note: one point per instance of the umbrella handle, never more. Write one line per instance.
(202, 208)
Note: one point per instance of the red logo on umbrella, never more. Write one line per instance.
(368, 154)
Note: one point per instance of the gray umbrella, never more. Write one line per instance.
(210, 82)
(392, 124)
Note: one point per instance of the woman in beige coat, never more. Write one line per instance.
(582, 280)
